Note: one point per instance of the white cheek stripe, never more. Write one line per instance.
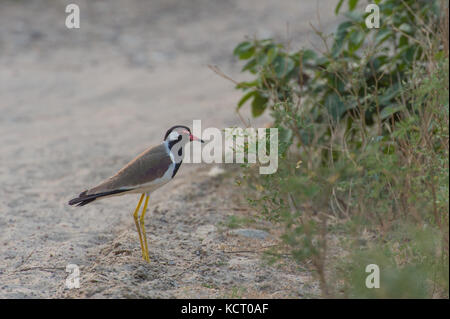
(173, 136)
(166, 144)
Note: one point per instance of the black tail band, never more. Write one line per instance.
(84, 199)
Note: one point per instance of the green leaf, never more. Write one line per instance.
(335, 106)
(352, 4)
(390, 110)
(250, 66)
(409, 54)
(308, 55)
(306, 136)
(382, 36)
(354, 16)
(356, 39)
(244, 50)
(378, 61)
(342, 28)
(403, 41)
(271, 54)
(244, 85)
(339, 39)
(390, 93)
(338, 7)
(259, 104)
(322, 61)
(245, 98)
(285, 139)
(283, 65)
(405, 27)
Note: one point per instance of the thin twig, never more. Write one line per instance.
(219, 72)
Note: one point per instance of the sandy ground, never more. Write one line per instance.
(76, 105)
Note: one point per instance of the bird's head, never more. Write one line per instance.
(180, 135)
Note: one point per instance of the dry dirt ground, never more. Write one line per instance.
(76, 105)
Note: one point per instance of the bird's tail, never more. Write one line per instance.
(84, 199)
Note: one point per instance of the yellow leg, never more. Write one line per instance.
(135, 215)
(146, 257)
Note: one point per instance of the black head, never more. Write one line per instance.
(180, 129)
(180, 132)
(176, 137)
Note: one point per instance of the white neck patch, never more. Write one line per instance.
(173, 136)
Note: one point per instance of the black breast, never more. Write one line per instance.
(175, 170)
(180, 154)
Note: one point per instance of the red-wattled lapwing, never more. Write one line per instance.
(148, 171)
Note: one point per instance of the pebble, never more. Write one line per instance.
(251, 233)
(215, 171)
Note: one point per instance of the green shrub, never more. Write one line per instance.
(361, 74)
(364, 130)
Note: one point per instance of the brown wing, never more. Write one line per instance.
(146, 167)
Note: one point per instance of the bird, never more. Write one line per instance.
(147, 172)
